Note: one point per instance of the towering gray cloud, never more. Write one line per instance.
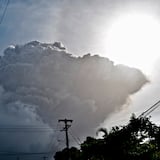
(41, 83)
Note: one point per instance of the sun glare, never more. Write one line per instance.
(134, 40)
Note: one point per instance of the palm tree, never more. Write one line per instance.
(104, 131)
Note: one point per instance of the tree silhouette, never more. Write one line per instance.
(138, 140)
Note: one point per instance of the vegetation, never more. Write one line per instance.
(138, 140)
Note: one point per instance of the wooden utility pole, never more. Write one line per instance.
(66, 127)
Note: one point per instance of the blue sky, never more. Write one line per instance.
(73, 22)
(25, 21)
(78, 24)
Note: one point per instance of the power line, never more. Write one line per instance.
(74, 138)
(77, 138)
(1, 4)
(4, 12)
(22, 153)
(26, 126)
(26, 129)
(51, 144)
(44, 155)
(150, 109)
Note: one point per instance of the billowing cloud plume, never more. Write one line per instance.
(41, 83)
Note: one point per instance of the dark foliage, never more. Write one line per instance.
(138, 140)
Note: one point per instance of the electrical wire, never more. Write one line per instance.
(1, 4)
(51, 144)
(75, 138)
(31, 128)
(150, 110)
(78, 139)
(26, 129)
(23, 153)
(4, 12)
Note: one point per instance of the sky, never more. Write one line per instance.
(125, 31)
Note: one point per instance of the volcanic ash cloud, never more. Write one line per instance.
(41, 83)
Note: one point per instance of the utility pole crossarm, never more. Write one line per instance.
(65, 120)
